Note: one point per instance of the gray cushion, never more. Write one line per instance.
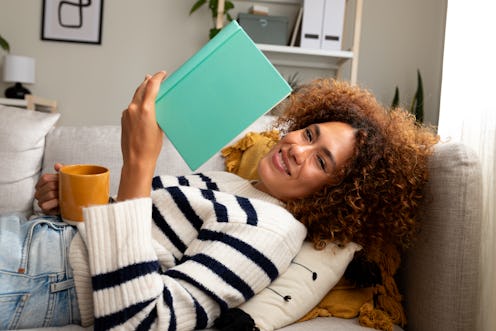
(441, 272)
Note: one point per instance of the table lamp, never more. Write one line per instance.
(18, 69)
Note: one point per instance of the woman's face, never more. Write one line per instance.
(303, 161)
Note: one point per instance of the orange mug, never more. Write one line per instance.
(82, 185)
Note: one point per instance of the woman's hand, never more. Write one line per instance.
(47, 192)
(141, 140)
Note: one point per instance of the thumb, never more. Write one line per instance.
(57, 166)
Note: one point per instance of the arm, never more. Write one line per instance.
(141, 140)
(141, 143)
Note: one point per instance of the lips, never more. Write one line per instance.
(279, 162)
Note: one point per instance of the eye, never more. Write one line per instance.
(308, 135)
(321, 163)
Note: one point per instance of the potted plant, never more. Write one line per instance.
(213, 5)
(4, 44)
(417, 104)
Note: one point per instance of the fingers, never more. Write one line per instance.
(148, 89)
(47, 192)
(50, 207)
(153, 85)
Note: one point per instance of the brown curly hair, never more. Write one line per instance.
(381, 187)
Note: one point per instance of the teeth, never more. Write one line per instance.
(283, 163)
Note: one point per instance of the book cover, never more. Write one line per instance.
(223, 88)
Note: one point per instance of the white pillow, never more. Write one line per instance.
(22, 143)
(270, 310)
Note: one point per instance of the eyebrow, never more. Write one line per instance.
(326, 151)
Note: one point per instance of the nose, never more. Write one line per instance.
(299, 152)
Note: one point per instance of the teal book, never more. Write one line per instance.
(217, 93)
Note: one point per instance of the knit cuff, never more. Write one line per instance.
(118, 234)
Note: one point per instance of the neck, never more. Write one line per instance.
(259, 185)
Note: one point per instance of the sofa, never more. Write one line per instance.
(438, 277)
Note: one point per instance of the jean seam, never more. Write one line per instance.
(51, 303)
(17, 315)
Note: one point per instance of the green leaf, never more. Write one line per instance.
(197, 5)
(396, 98)
(213, 32)
(419, 104)
(4, 44)
(213, 7)
(228, 6)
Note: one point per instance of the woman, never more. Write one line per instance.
(215, 239)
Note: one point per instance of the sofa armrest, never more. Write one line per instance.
(440, 275)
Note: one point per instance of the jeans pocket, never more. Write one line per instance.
(11, 306)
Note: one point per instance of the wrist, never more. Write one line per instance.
(135, 181)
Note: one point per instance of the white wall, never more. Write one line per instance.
(399, 37)
(93, 83)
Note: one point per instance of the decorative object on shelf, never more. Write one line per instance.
(4, 44)
(18, 69)
(219, 9)
(72, 21)
(265, 29)
(417, 104)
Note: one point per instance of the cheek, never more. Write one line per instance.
(314, 182)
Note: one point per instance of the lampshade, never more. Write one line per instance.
(18, 69)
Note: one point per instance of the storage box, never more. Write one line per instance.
(264, 29)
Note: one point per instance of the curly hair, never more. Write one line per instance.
(381, 185)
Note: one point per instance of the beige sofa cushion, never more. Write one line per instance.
(22, 142)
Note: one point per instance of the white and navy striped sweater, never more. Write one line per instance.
(201, 244)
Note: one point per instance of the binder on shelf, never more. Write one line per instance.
(216, 94)
(323, 22)
(332, 25)
(311, 30)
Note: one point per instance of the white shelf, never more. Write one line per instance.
(304, 57)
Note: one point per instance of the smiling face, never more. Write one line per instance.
(303, 161)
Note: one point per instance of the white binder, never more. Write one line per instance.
(333, 23)
(311, 29)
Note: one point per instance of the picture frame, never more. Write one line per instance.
(78, 21)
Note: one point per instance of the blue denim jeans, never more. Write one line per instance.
(36, 282)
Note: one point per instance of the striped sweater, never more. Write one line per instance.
(201, 244)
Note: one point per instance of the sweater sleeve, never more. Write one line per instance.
(125, 273)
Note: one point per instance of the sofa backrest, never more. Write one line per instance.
(101, 145)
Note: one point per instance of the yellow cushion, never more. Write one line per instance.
(242, 157)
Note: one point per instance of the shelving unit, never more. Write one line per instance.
(316, 58)
(305, 58)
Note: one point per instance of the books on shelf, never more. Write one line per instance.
(216, 94)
